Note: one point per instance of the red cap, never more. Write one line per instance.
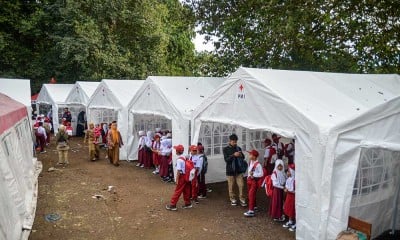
(179, 148)
(157, 136)
(193, 148)
(254, 153)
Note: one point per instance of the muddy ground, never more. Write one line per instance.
(137, 209)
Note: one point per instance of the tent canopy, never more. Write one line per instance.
(11, 112)
(54, 93)
(315, 109)
(115, 96)
(81, 92)
(174, 98)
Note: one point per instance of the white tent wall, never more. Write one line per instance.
(18, 89)
(110, 100)
(54, 95)
(308, 106)
(173, 98)
(150, 100)
(18, 184)
(374, 140)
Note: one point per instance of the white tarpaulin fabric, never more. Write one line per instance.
(173, 98)
(322, 112)
(18, 89)
(54, 95)
(18, 170)
(109, 102)
(78, 98)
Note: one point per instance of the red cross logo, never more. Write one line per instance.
(241, 87)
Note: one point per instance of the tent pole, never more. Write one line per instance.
(396, 203)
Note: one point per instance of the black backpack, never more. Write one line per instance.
(205, 164)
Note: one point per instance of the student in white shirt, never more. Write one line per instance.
(255, 174)
(182, 186)
(41, 136)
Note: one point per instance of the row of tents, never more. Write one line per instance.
(346, 128)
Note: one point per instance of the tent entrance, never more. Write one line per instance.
(75, 109)
(43, 108)
(215, 136)
(102, 115)
(149, 122)
(376, 189)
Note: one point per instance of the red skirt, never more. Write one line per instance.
(164, 166)
(147, 159)
(140, 156)
(276, 207)
(289, 206)
(156, 159)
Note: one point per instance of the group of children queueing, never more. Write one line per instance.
(279, 186)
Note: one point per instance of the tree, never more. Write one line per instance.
(342, 36)
(94, 39)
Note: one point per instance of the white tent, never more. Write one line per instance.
(18, 89)
(167, 102)
(52, 96)
(18, 170)
(109, 102)
(347, 133)
(77, 99)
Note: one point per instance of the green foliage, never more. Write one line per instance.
(94, 39)
(339, 35)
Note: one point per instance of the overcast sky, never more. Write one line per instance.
(198, 43)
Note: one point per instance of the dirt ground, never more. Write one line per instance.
(137, 209)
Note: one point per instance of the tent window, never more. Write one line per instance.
(147, 122)
(375, 173)
(103, 115)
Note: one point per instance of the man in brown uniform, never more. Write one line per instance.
(114, 142)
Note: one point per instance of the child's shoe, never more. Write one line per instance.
(287, 224)
(202, 197)
(243, 204)
(171, 207)
(249, 213)
(196, 201)
(233, 203)
(187, 206)
(292, 228)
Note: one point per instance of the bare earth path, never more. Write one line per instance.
(137, 209)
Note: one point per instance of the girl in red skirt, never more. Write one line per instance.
(289, 206)
(165, 153)
(142, 142)
(278, 181)
(156, 149)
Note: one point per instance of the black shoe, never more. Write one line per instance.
(196, 201)
(171, 207)
(187, 206)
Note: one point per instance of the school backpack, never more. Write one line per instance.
(190, 171)
(269, 187)
(204, 167)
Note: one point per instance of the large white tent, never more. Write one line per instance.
(78, 98)
(167, 102)
(109, 103)
(18, 89)
(347, 133)
(19, 171)
(52, 96)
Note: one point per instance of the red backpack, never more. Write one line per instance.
(190, 171)
(269, 187)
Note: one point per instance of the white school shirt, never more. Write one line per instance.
(267, 152)
(141, 142)
(277, 178)
(41, 130)
(166, 147)
(180, 164)
(258, 171)
(197, 162)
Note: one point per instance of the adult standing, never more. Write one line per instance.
(62, 146)
(114, 143)
(80, 128)
(66, 117)
(234, 159)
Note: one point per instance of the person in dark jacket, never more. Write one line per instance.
(234, 157)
